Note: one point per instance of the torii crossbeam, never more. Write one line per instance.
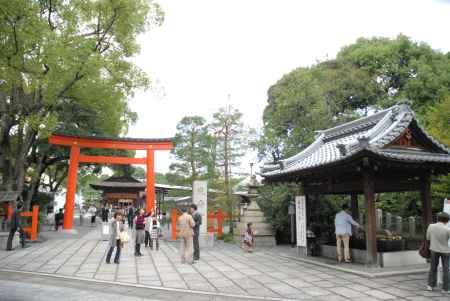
(76, 143)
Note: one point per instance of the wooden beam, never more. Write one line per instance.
(354, 206)
(92, 142)
(371, 227)
(111, 160)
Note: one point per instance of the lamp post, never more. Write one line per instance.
(251, 169)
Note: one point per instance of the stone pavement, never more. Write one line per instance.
(224, 269)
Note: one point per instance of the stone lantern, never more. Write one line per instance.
(251, 213)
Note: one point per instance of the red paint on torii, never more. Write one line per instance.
(77, 142)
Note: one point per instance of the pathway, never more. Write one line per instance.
(224, 269)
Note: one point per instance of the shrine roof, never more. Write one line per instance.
(377, 134)
(119, 182)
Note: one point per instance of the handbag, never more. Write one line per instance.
(424, 249)
(124, 238)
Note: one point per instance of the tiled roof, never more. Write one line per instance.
(372, 134)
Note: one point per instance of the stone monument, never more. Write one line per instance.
(200, 198)
(252, 214)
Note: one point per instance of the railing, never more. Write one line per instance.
(214, 221)
(34, 214)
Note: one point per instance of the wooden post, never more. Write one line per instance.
(71, 187)
(174, 223)
(354, 206)
(219, 223)
(150, 180)
(425, 196)
(10, 211)
(34, 222)
(371, 228)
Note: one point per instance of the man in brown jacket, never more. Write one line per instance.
(186, 224)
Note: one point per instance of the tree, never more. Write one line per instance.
(400, 68)
(64, 66)
(229, 130)
(366, 76)
(191, 148)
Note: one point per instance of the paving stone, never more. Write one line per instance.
(315, 291)
(298, 283)
(175, 284)
(380, 295)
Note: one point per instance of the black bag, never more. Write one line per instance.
(424, 250)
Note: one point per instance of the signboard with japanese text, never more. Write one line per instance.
(300, 213)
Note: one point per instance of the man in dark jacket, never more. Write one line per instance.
(105, 214)
(198, 221)
(130, 216)
(59, 219)
(16, 225)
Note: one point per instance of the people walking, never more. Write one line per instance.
(439, 234)
(130, 216)
(59, 219)
(249, 238)
(139, 225)
(148, 227)
(116, 227)
(198, 221)
(343, 223)
(187, 224)
(105, 214)
(16, 225)
(93, 211)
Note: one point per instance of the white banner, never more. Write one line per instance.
(300, 214)
(200, 198)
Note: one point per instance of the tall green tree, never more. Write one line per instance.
(231, 145)
(64, 66)
(400, 68)
(191, 148)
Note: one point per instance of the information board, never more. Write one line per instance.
(300, 214)
(447, 206)
(200, 197)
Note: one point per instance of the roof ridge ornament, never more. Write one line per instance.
(342, 149)
(363, 142)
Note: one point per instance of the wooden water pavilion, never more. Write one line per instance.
(385, 152)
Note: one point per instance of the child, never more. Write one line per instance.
(154, 234)
(249, 238)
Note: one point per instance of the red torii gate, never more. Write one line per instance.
(78, 142)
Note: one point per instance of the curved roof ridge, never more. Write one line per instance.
(354, 125)
(306, 152)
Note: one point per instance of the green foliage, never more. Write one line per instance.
(192, 142)
(65, 66)
(365, 76)
(369, 74)
(438, 120)
(401, 68)
(274, 202)
(228, 238)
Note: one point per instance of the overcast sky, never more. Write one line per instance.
(208, 49)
